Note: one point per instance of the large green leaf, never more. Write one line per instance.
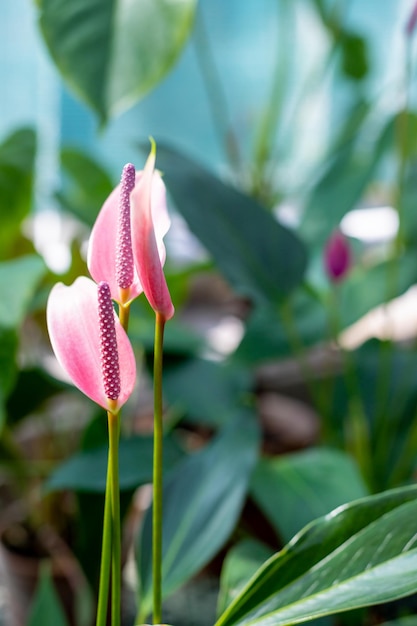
(360, 554)
(87, 470)
(368, 287)
(18, 281)
(259, 257)
(205, 391)
(113, 52)
(270, 333)
(342, 186)
(294, 489)
(203, 499)
(17, 159)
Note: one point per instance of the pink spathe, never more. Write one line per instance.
(148, 246)
(74, 330)
(104, 251)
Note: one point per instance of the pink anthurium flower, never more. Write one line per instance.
(90, 343)
(112, 255)
(337, 256)
(148, 247)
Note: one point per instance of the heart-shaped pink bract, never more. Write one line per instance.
(76, 334)
(113, 233)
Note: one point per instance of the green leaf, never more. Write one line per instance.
(46, 608)
(18, 281)
(371, 286)
(269, 336)
(87, 470)
(241, 562)
(111, 52)
(360, 554)
(294, 489)
(342, 185)
(32, 388)
(405, 621)
(205, 391)
(17, 159)
(86, 185)
(203, 498)
(8, 368)
(259, 257)
(355, 62)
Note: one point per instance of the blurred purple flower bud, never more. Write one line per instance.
(337, 256)
(412, 21)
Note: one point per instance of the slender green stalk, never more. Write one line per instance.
(116, 579)
(157, 473)
(357, 433)
(299, 351)
(106, 550)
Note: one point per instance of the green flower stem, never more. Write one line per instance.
(103, 593)
(116, 579)
(157, 472)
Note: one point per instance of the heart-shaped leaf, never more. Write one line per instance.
(258, 256)
(111, 52)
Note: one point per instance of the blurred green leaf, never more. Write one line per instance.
(86, 185)
(386, 386)
(179, 340)
(17, 160)
(411, 620)
(87, 470)
(46, 609)
(368, 287)
(259, 257)
(203, 498)
(9, 344)
(355, 62)
(294, 489)
(19, 279)
(360, 554)
(112, 53)
(241, 562)
(32, 388)
(270, 335)
(206, 392)
(342, 185)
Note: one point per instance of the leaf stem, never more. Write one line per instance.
(157, 472)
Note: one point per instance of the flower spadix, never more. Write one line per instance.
(116, 252)
(90, 343)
